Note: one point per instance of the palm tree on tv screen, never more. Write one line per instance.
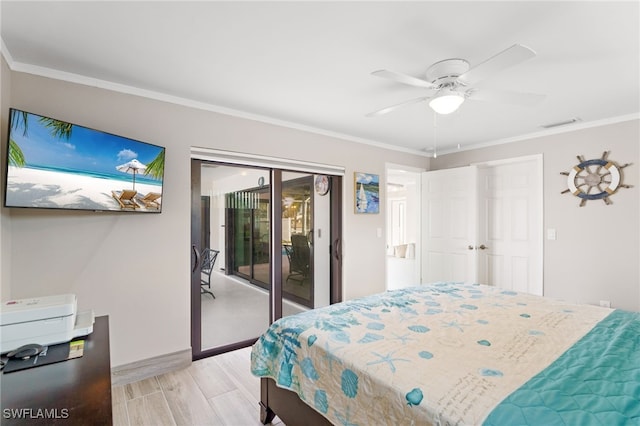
(57, 128)
(16, 157)
(156, 167)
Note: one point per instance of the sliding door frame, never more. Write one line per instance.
(197, 351)
(335, 264)
(201, 156)
(196, 243)
(275, 261)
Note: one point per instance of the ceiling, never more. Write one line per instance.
(308, 64)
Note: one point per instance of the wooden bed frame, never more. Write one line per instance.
(287, 406)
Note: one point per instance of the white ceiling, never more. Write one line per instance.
(308, 64)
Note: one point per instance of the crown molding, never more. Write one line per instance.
(6, 54)
(163, 97)
(548, 132)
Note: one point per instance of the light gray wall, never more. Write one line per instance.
(595, 256)
(144, 287)
(5, 229)
(135, 268)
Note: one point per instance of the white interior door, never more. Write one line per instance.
(483, 224)
(449, 225)
(510, 225)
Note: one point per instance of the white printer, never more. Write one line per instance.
(43, 320)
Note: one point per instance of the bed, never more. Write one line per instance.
(451, 353)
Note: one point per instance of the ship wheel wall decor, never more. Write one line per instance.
(594, 179)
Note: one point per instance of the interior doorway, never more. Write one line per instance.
(403, 226)
(277, 241)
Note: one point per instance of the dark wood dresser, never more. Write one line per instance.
(72, 392)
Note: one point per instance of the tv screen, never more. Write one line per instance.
(53, 164)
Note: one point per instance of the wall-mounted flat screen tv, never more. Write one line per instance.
(54, 164)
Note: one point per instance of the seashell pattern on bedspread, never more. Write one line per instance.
(446, 353)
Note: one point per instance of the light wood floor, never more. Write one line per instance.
(218, 391)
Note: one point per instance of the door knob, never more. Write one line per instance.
(481, 247)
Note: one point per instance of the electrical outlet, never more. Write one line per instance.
(605, 303)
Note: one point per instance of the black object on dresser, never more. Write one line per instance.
(72, 392)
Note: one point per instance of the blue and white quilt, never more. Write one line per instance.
(458, 354)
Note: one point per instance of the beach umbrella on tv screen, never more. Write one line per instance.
(133, 167)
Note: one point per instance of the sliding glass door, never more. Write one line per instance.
(297, 238)
(266, 268)
(228, 309)
(247, 236)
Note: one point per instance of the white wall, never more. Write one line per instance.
(597, 248)
(144, 285)
(5, 228)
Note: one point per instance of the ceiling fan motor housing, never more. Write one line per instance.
(445, 73)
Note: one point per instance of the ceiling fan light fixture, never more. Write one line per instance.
(446, 101)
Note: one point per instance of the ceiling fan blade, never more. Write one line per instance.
(503, 60)
(505, 96)
(396, 106)
(403, 78)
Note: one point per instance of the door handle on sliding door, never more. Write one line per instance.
(196, 257)
(336, 246)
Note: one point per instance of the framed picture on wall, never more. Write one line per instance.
(367, 193)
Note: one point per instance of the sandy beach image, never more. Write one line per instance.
(29, 187)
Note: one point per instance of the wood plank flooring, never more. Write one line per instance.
(217, 391)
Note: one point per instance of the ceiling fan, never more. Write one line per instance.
(452, 82)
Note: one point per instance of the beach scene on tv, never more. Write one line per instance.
(55, 164)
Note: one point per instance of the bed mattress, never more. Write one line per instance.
(453, 353)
